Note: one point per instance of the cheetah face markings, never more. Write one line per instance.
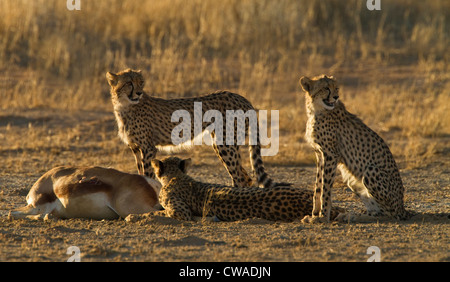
(330, 101)
(132, 95)
(168, 169)
(127, 86)
(323, 91)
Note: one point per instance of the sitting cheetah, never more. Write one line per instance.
(145, 125)
(341, 140)
(184, 198)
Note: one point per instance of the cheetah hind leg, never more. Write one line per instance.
(359, 188)
(382, 187)
(231, 159)
(372, 214)
(385, 188)
(369, 188)
(372, 206)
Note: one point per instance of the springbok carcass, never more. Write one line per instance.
(89, 192)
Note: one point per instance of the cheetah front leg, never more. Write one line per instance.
(317, 190)
(326, 173)
(329, 174)
(318, 185)
(178, 210)
(138, 156)
(149, 154)
(144, 157)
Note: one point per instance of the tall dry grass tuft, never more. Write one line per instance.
(287, 35)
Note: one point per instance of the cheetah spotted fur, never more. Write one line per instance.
(341, 140)
(144, 124)
(184, 198)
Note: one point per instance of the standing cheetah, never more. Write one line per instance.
(184, 198)
(145, 125)
(341, 140)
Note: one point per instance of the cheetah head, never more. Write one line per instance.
(126, 86)
(322, 90)
(169, 168)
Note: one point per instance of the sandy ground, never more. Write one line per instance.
(425, 237)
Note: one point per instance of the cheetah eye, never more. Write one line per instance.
(125, 85)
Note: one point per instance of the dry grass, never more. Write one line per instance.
(392, 64)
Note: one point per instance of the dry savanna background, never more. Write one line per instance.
(392, 66)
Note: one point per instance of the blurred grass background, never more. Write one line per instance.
(393, 64)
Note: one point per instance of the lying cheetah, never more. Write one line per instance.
(184, 198)
(341, 140)
(145, 125)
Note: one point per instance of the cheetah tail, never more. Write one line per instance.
(258, 169)
(262, 177)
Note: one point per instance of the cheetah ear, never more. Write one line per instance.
(112, 78)
(140, 78)
(158, 166)
(184, 165)
(306, 83)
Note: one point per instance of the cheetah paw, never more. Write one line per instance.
(314, 219)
